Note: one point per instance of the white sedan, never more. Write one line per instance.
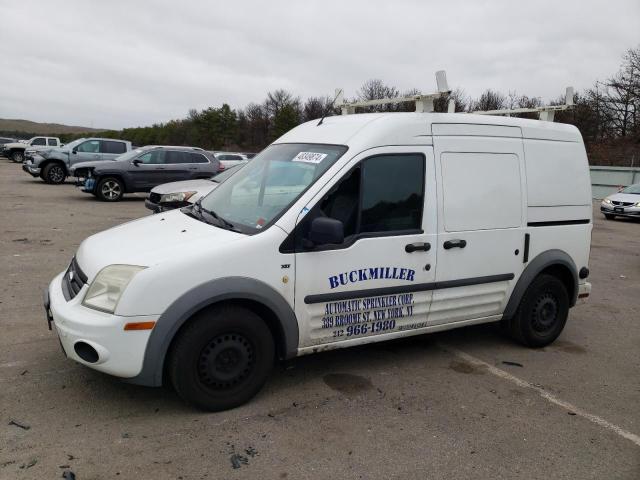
(169, 196)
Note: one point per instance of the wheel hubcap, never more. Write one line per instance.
(56, 174)
(545, 313)
(226, 361)
(111, 190)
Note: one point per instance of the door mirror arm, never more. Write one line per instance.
(137, 162)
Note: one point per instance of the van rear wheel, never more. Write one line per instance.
(222, 358)
(542, 313)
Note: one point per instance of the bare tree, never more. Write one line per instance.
(461, 102)
(316, 107)
(489, 100)
(376, 89)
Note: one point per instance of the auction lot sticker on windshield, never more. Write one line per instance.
(309, 157)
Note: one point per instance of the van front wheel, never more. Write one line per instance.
(222, 358)
(542, 313)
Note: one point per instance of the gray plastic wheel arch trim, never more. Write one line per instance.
(232, 288)
(544, 260)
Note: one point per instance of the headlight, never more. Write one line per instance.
(637, 204)
(607, 201)
(108, 286)
(176, 197)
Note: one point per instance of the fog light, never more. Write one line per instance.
(86, 352)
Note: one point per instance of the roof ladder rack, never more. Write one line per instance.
(424, 102)
(545, 113)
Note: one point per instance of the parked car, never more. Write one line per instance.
(144, 168)
(54, 165)
(5, 140)
(169, 196)
(229, 159)
(16, 150)
(332, 237)
(625, 203)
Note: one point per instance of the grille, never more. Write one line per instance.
(622, 204)
(154, 197)
(73, 281)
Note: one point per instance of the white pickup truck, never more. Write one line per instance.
(15, 151)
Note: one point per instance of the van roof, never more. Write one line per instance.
(368, 130)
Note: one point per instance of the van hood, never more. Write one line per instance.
(150, 241)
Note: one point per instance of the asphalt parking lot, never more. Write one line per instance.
(438, 406)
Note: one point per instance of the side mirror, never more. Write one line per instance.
(325, 230)
(75, 150)
(137, 162)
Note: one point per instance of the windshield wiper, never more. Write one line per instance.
(224, 223)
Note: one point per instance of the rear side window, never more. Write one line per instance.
(109, 146)
(52, 142)
(197, 158)
(38, 141)
(91, 146)
(481, 191)
(173, 156)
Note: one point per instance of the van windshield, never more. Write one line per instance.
(265, 188)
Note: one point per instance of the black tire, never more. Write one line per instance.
(222, 358)
(542, 313)
(608, 216)
(110, 189)
(17, 156)
(54, 173)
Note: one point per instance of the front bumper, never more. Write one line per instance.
(620, 211)
(31, 169)
(120, 352)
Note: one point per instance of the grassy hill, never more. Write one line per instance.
(35, 128)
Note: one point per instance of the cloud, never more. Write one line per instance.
(121, 63)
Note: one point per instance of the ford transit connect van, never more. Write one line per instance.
(360, 229)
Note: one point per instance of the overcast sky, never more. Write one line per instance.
(116, 64)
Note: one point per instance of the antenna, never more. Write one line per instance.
(339, 95)
(545, 113)
(424, 102)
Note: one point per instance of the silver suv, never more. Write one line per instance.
(54, 165)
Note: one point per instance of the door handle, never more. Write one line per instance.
(449, 244)
(414, 247)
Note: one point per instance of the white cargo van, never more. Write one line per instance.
(359, 229)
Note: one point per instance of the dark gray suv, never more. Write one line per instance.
(142, 169)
